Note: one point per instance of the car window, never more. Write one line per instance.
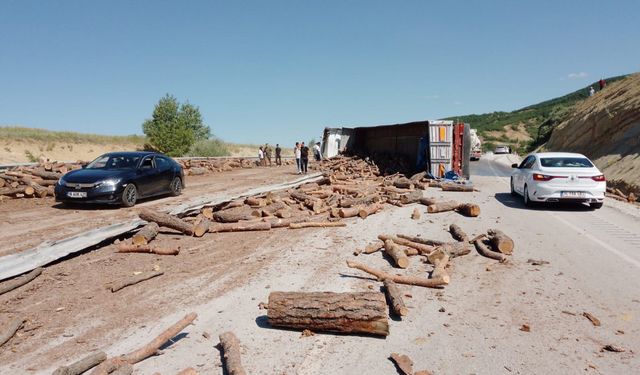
(114, 162)
(147, 163)
(527, 160)
(162, 163)
(566, 162)
(530, 161)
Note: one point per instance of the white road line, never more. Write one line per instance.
(599, 242)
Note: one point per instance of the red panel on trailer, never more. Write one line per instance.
(458, 142)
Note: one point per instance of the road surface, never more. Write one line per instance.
(475, 325)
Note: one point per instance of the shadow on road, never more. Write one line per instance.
(516, 202)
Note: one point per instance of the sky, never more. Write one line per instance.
(280, 71)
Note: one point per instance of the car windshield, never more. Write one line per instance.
(114, 162)
(566, 162)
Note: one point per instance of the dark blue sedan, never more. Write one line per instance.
(121, 178)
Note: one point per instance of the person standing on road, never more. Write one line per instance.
(316, 151)
(260, 157)
(296, 152)
(304, 158)
(278, 155)
(267, 154)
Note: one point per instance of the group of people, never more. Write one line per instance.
(264, 155)
(602, 83)
(300, 151)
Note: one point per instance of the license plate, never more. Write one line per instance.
(573, 194)
(77, 194)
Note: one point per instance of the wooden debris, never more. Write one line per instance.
(132, 280)
(415, 215)
(369, 210)
(19, 281)
(146, 234)
(403, 363)
(146, 351)
(82, 365)
(500, 241)
(439, 271)
(422, 248)
(442, 206)
(231, 353)
(166, 220)
(411, 197)
(132, 248)
(395, 298)
(240, 226)
(612, 348)
(408, 280)
(457, 233)
(363, 312)
(484, 250)
(373, 247)
(317, 224)
(10, 330)
(469, 209)
(396, 253)
(595, 321)
(456, 187)
(235, 214)
(421, 240)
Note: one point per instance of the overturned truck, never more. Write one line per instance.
(436, 146)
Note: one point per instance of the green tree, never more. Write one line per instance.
(173, 127)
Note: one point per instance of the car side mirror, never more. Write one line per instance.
(514, 165)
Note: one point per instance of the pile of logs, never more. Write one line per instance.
(618, 195)
(196, 167)
(33, 181)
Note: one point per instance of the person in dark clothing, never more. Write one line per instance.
(602, 83)
(304, 157)
(278, 155)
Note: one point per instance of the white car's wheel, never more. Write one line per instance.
(527, 202)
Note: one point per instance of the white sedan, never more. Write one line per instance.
(558, 177)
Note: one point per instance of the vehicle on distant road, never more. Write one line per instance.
(558, 177)
(121, 178)
(502, 150)
(476, 154)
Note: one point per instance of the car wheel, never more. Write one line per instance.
(595, 206)
(527, 202)
(513, 191)
(176, 186)
(129, 195)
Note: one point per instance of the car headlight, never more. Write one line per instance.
(112, 182)
(62, 182)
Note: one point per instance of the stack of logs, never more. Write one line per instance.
(196, 167)
(618, 195)
(33, 181)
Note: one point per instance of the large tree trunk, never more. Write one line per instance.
(364, 312)
(396, 253)
(500, 241)
(442, 206)
(469, 209)
(146, 234)
(166, 220)
(231, 352)
(394, 296)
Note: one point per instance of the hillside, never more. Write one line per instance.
(606, 128)
(528, 127)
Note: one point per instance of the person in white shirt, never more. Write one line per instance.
(316, 151)
(260, 156)
(296, 151)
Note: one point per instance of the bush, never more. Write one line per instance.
(31, 157)
(208, 148)
(175, 127)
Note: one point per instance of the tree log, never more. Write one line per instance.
(454, 249)
(415, 215)
(10, 330)
(166, 220)
(457, 233)
(456, 187)
(146, 234)
(231, 353)
(395, 298)
(422, 248)
(469, 209)
(412, 197)
(485, 251)
(201, 226)
(317, 224)
(133, 248)
(403, 183)
(82, 365)
(349, 212)
(148, 350)
(369, 210)
(39, 190)
(439, 271)
(500, 241)
(236, 214)
(396, 253)
(241, 226)
(403, 362)
(45, 175)
(255, 202)
(373, 247)
(442, 206)
(19, 281)
(408, 280)
(421, 240)
(350, 202)
(364, 312)
(16, 190)
(134, 280)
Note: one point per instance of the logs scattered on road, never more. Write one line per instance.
(469, 209)
(500, 241)
(415, 215)
(396, 253)
(439, 271)
(422, 248)
(148, 249)
(317, 224)
(166, 220)
(32, 181)
(10, 330)
(146, 351)
(240, 226)
(82, 365)
(19, 281)
(456, 187)
(466, 209)
(132, 280)
(395, 298)
(457, 233)
(235, 214)
(230, 346)
(408, 280)
(363, 312)
(484, 250)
